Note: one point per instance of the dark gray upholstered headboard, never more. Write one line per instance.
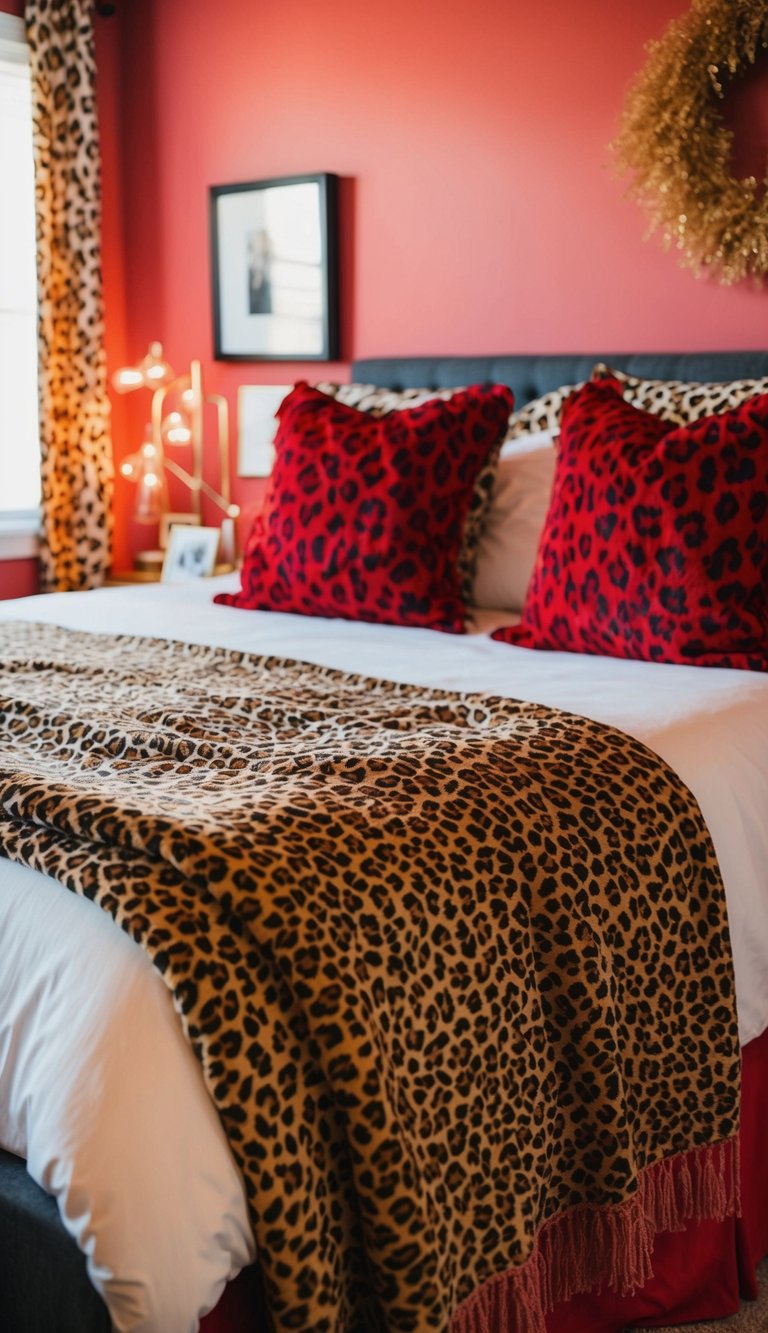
(529, 376)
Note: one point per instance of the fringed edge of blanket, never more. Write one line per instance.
(592, 1247)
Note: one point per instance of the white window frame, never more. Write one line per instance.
(19, 528)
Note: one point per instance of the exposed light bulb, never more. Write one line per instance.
(151, 493)
(127, 378)
(175, 429)
(131, 467)
(151, 372)
(154, 370)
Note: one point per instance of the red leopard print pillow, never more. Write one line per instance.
(363, 516)
(656, 541)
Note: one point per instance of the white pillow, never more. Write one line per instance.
(510, 537)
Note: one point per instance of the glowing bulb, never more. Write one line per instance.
(154, 370)
(131, 466)
(175, 429)
(151, 372)
(127, 378)
(151, 493)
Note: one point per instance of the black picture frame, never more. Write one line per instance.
(274, 269)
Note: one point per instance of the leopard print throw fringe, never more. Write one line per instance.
(456, 967)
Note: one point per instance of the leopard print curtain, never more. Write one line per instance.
(74, 408)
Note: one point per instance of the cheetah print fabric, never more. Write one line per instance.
(542, 413)
(76, 456)
(455, 966)
(681, 401)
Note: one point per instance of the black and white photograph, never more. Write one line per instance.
(274, 272)
(190, 554)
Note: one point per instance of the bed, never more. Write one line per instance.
(108, 1131)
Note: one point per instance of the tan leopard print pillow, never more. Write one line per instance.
(541, 413)
(377, 400)
(681, 401)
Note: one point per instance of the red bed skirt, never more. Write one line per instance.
(700, 1273)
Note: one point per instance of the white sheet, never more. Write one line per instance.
(93, 1066)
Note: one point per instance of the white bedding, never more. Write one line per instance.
(97, 1086)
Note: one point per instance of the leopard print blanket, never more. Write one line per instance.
(456, 967)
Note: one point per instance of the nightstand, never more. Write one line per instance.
(133, 576)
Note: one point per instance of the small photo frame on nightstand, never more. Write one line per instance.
(169, 521)
(190, 554)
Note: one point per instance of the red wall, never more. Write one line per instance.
(479, 209)
(482, 212)
(18, 578)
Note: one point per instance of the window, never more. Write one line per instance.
(19, 432)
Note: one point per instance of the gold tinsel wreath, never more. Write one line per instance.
(674, 141)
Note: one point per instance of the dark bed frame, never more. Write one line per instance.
(44, 1287)
(530, 376)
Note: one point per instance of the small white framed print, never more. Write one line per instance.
(256, 427)
(190, 554)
